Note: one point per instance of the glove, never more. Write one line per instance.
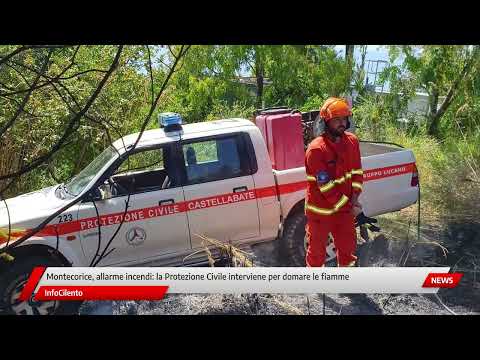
(361, 219)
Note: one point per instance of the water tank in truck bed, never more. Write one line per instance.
(282, 131)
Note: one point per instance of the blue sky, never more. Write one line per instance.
(374, 52)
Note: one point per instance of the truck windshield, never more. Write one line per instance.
(77, 184)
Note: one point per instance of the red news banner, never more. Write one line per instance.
(81, 283)
(439, 280)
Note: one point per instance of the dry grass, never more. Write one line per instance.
(234, 256)
(449, 190)
(238, 258)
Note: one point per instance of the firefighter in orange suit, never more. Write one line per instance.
(335, 177)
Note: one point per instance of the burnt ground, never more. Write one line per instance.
(460, 239)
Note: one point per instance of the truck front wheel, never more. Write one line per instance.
(12, 282)
(294, 242)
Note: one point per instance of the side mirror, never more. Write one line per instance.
(94, 195)
(98, 193)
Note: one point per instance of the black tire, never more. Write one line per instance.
(14, 278)
(294, 243)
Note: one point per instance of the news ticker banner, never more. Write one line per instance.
(152, 283)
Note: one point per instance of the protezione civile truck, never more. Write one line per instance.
(233, 180)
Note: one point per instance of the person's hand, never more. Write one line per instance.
(356, 206)
(362, 220)
(355, 201)
(356, 210)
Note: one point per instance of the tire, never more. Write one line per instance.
(12, 282)
(292, 246)
(294, 243)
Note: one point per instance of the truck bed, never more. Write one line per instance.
(387, 179)
(369, 149)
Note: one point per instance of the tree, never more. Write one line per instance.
(211, 77)
(441, 71)
(299, 74)
(349, 64)
(359, 73)
(46, 75)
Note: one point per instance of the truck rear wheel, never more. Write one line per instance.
(12, 282)
(294, 242)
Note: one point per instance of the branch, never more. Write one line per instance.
(50, 80)
(171, 52)
(23, 78)
(151, 72)
(117, 131)
(103, 254)
(66, 100)
(72, 123)
(99, 234)
(80, 73)
(109, 123)
(26, 98)
(8, 88)
(182, 53)
(449, 98)
(19, 104)
(13, 53)
(57, 146)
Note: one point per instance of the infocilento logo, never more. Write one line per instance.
(55, 284)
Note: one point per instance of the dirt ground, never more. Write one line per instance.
(397, 244)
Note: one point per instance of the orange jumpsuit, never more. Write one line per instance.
(334, 174)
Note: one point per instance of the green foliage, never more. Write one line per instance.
(122, 103)
(438, 71)
(210, 78)
(372, 113)
(449, 170)
(222, 110)
(302, 73)
(207, 86)
(205, 151)
(314, 102)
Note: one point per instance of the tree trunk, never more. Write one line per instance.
(435, 117)
(360, 76)
(349, 49)
(259, 74)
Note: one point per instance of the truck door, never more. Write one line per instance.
(219, 188)
(155, 222)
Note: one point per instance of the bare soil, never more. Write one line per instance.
(390, 248)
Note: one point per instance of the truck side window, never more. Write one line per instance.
(149, 160)
(143, 171)
(215, 159)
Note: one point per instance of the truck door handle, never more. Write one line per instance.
(240, 188)
(166, 202)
